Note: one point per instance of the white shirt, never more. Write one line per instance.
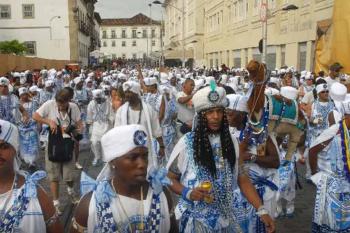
(185, 111)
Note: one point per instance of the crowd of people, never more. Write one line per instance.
(179, 150)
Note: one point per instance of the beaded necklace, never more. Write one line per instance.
(344, 133)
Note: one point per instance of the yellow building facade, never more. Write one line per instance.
(228, 31)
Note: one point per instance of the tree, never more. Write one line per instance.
(13, 46)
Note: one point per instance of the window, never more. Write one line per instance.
(283, 55)
(144, 33)
(113, 34)
(5, 11)
(113, 43)
(237, 58)
(134, 56)
(123, 56)
(134, 33)
(114, 56)
(153, 43)
(28, 11)
(104, 34)
(302, 56)
(256, 54)
(123, 43)
(271, 57)
(153, 33)
(123, 33)
(104, 43)
(31, 48)
(134, 43)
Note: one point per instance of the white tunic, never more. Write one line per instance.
(33, 219)
(130, 212)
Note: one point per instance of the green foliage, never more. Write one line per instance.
(13, 46)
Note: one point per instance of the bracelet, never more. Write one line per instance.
(185, 194)
(262, 211)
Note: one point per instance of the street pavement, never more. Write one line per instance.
(300, 223)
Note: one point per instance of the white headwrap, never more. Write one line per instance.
(132, 86)
(9, 134)
(122, 139)
(237, 102)
(321, 87)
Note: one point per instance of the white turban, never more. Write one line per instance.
(164, 77)
(289, 92)
(346, 105)
(23, 90)
(338, 92)
(34, 88)
(132, 86)
(122, 139)
(9, 134)
(77, 80)
(150, 81)
(49, 83)
(98, 93)
(207, 98)
(321, 87)
(237, 102)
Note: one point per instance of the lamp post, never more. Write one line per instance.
(52, 18)
(183, 26)
(264, 7)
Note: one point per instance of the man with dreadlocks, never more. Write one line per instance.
(204, 169)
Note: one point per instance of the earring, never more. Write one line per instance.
(113, 166)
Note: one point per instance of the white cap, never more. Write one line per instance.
(207, 98)
(122, 139)
(289, 92)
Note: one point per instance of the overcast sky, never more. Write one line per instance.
(126, 8)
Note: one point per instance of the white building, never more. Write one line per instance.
(51, 29)
(131, 38)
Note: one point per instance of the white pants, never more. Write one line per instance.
(96, 149)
